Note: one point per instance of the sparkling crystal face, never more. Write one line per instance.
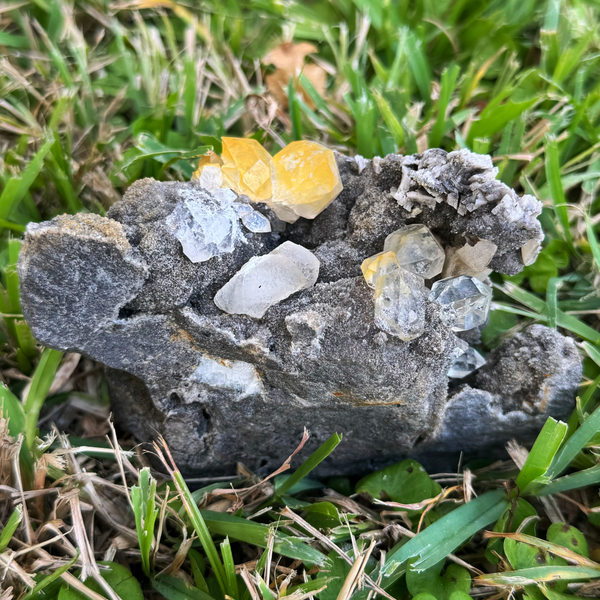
(247, 168)
(378, 265)
(206, 224)
(417, 250)
(305, 180)
(400, 304)
(256, 222)
(465, 301)
(466, 363)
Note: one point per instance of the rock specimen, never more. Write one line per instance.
(225, 387)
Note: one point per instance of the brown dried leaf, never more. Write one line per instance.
(289, 57)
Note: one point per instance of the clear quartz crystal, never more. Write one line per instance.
(256, 222)
(205, 223)
(400, 298)
(466, 363)
(417, 250)
(266, 280)
(211, 177)
(377, 265)
(465, 301)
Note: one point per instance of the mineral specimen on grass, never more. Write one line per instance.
(224, 388)
(416, 250)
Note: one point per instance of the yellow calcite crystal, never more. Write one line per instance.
(246, 168)
(378, 265)
(305, 180)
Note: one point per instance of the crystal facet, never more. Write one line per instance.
(477, 257)
(465, 301)
(417, 250)
(466, 363)
(205, 223)
(210, 158)
(266, 280)
(236, 375)
(305, 180)
(530, 251)
(256, 222)
(246, 168)
(400, 298)
(378, 265)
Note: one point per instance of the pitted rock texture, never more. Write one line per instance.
(224, 388)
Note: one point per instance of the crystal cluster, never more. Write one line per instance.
(266, 280)
(299, 181)
(205, 223)
(410, 256)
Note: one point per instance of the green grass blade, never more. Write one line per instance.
(229, 564)
(173, 588)
(575, 444)
(54, 576)
(40, 386)
(581, 479)
(315, 459)
(445, 535)
(11, 526)
(556, 187)
(536, 575)
(542, 454)
(449, 79)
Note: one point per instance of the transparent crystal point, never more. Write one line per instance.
(256, 222)
(465, 301)
(205, 223)
(266, 280)
(417, 250)
(469, 361)
(400, 298)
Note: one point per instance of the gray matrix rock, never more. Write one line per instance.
(226, 387)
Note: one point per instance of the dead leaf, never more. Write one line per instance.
(290, 60)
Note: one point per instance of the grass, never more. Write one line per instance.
(95, 95)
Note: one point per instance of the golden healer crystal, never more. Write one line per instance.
(246, 168)
(305, 180)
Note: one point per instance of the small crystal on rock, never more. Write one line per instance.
(530, 251)
(378, 265)
(477, 257)
(205, 223)
(305, 180)
(400, 299)
(417, 250)
(211, 177)
(266, 280)
(466, 363)
(256, 222)
(465, 301)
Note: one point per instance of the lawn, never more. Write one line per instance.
(95, 95)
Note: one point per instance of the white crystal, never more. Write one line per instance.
(400, 304)
(211, 178)
(465, 301)
(236, 375)
(417, 250)
(241, 209)
(477, 257)
(205, 223)
(266, 280)
(530, 251)
(304, 259)
(256, 222)
(466, 363)
(361, 162)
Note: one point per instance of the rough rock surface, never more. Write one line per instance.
(223, 388)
